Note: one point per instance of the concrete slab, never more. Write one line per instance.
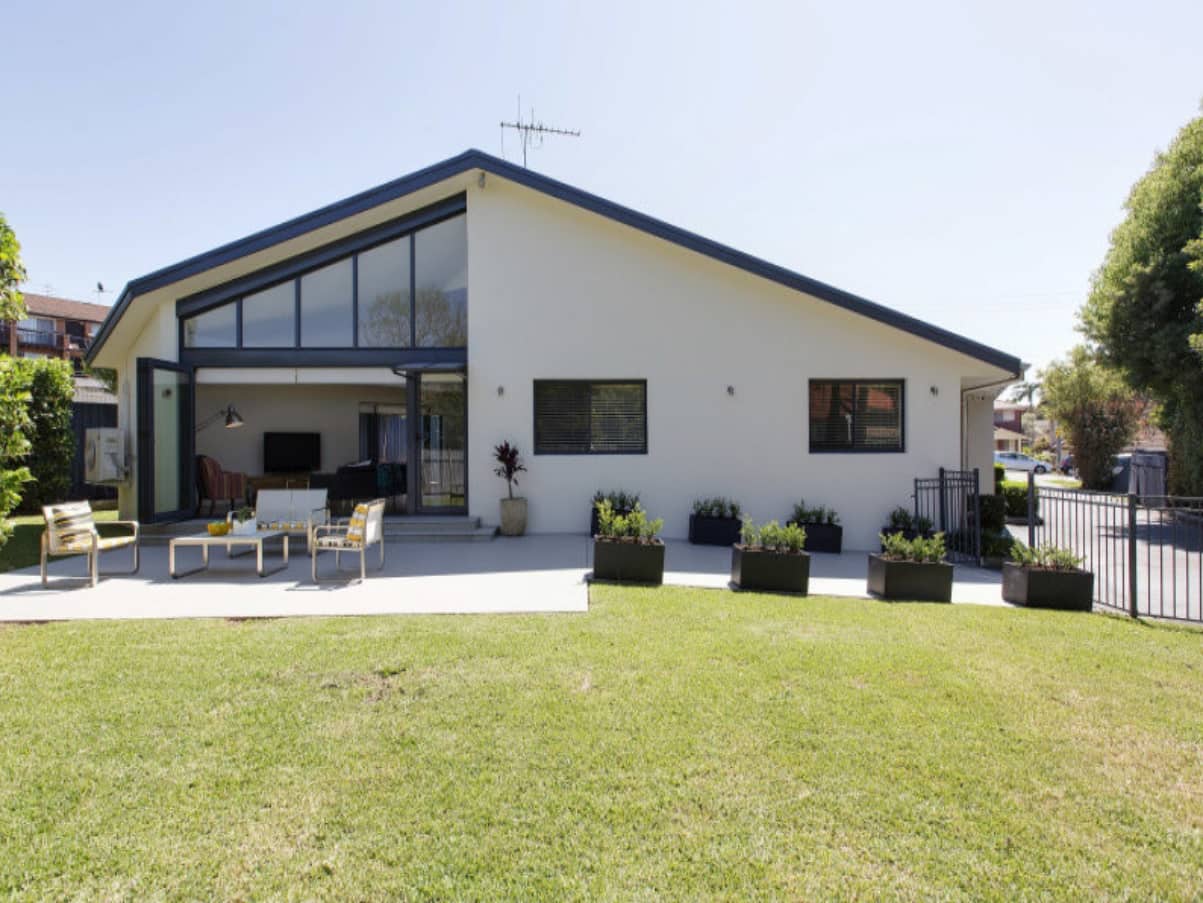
(529, 574)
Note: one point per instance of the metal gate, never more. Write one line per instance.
(950, 501)
(1146, 551)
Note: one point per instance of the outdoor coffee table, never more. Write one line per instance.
(205, 540)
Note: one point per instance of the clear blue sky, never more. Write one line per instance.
(962, 162)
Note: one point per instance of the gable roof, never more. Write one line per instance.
(48, 306)
(476, 159)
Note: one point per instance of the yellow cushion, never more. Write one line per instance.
(114, 542)
(358, 525)
(70, 525)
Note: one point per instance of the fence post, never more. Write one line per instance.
(1031, 510)
(943, 505)
(1133, 581)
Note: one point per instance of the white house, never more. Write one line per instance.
(421, 322)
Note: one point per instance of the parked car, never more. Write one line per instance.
(1020, 461)
(1067, 465)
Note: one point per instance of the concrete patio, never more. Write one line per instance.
(544, 573)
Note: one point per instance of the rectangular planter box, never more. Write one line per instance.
(714, 531)
(629, 562)
(1039, 588)
(920, 581)
(594, 527)
(773, 572)
(823, 537)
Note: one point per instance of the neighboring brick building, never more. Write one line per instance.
(54, 327)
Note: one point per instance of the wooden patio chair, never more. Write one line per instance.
(364, 528)
(71, 530)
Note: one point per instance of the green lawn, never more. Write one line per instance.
(23, 548)
(670, 743)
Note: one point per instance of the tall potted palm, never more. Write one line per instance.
(513, 510)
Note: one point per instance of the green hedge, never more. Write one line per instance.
(1000, 477)
(1016, 495)
(994, 513)
(51, 439)
(14, 446)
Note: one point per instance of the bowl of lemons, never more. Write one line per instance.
(218, 528)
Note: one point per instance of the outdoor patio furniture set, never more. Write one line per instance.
(280, 514)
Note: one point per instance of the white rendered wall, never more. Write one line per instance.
(979, 437)
(556, 292)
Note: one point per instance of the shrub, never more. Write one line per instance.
(922, 549)
(772, 537)
(901, 519)
(51, 438)
(994, 513)
(1016, 496)
(621, 500)
(1052, 558)
(14, 446)
(997, 544)
(923, 525)
(716, 507)
(632, 526)
(509, 464)
(820, 515)
(1000, 476)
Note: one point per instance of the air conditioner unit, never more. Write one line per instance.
(104, 455)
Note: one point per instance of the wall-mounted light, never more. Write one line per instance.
(730, 390)
(500, 391)
(480, 180)
(935, 390)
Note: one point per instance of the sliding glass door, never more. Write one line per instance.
(443, 442)
(166, 430)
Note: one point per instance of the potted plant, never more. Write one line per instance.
(911, 569)
(1047, 577)
(902, 523)
(821, 525)
(714, 522)
(513, 510)
(627, 547)
(242, 521)
(620, 500)
(771, 558)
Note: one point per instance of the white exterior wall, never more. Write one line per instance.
(979, 437)
(556, 292)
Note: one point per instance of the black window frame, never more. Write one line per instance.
(853, 449)
(643, 450)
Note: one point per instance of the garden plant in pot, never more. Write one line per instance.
(513, 510)
(620, 500)
(911, 569)
(902, 523)
(242, 521)
(627, 547)
(715, 522)
(822, 526)
(770, 558)
(1047, 577)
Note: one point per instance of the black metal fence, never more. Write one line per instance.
(950, 502)
(1146, 551)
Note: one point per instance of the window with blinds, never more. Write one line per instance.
(856, 415)
(590, 417)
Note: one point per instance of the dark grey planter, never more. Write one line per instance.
(823, 537)
(1042, 588)
(714, 531)
(910, 580)
(628, 562)
(772, 572)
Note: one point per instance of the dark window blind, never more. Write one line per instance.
(856, 415)
(582, 417)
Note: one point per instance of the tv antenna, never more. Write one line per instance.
(531, 132)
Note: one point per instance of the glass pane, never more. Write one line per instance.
(326, 306)
(384, 296)
(171, 429)
(444, 439)
(215, 328)
(441, 259)
(831, 407)
(879, 415)
(269, 317)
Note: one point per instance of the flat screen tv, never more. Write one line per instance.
(292, 452)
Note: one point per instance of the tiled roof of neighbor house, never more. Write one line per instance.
(1004, 433)
(47, 306)
(90, 390)
(478, 160)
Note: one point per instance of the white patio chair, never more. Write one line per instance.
(71, 530)
(365, 528)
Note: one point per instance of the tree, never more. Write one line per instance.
(14, 446)
(51, 438)
(12, 274)
(1095, 407)
(1144, 310)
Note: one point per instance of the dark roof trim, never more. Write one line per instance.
(475, 159)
